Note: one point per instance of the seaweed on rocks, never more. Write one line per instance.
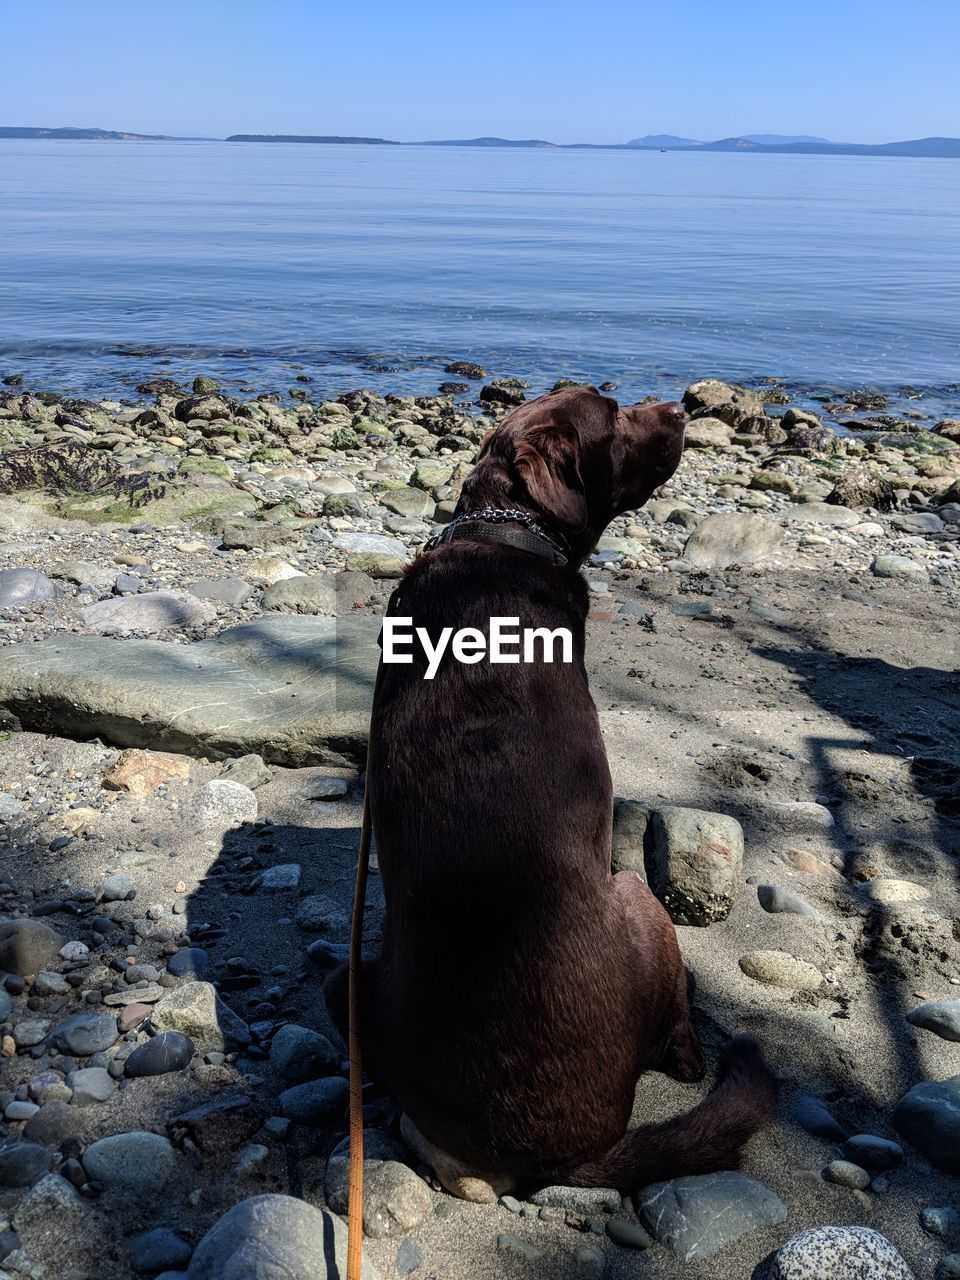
(72, 470)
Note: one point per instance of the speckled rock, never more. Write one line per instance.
(837, 1253)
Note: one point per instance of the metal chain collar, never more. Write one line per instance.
(496, 515)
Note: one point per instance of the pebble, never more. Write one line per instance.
(23, 1163)
(893, 566)
(326, 789)
(55, 1121)
(813, 1114)
(776, 899)
(139, 1162)
(779, 969)
(196, 1009)
(284, 878)
(86, 1033)
(585, 1200)
(221, 805)
(90, 1086)
(942, 1017)
(514, 1247)
(320, 914)
(166, 1052)
(873, 1153)
(299, 1054)
(117, 887)
(630, 1235)
(846, 1174)
(943, 1222)
(317, 1103)
(884, 890)
(191, 962)
(20, 1111)
(589, 1261)
(410, 1257)
(928, 1116)
(158, 1250)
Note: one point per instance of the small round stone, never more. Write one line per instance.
(166, 1052)
(846, 1174)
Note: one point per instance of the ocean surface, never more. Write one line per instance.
(375, 266)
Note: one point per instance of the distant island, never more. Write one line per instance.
(750, 143)
(308, 137)
(92, 135)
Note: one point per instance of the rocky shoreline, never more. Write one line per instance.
(190, 590)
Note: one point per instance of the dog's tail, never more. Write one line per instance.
(705, 1139)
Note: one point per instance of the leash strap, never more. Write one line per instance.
(355, 1168)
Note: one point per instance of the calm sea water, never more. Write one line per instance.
(376, 265)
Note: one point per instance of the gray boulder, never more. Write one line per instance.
(696, 1217)
(696, 863)
(274, 1236)
(893, 566)
(942, 1017)
(395, 1199)
(27, 946)
(151, 611)
(720, 541)
(305, 593)
(196, 1009)
(138, 1163)
(232, 592)
(631, 821)
(222, 804)
(299, 1054)
(294, 690)
(23, 1163)
(928, 1116)
(317, 1102)
(24, 586)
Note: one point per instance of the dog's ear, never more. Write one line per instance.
(547, 460)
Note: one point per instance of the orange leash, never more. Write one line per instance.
(355, 1173)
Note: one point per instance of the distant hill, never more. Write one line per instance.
(91, 134)
(781, 139)
(308, 137)
(487, 142)
(755, 143)
(662, 140)
(943, 148)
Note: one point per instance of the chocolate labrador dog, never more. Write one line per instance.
(521, 989)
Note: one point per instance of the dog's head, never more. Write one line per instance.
(578, 459)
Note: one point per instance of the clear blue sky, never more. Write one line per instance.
(605, 71)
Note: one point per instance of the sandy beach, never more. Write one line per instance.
(189, 588)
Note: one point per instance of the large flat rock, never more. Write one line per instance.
(296, 691)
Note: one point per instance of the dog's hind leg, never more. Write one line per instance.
(675, 1050)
